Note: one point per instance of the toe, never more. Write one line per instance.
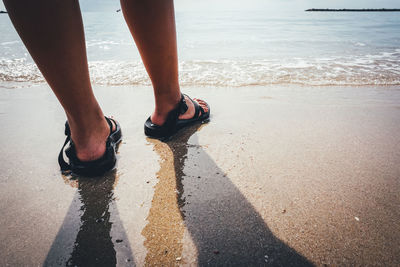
(203, 104)
(191, 109)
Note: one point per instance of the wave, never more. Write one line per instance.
(373, 69)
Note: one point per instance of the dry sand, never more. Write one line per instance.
(279, 176)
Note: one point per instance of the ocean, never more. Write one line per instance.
(235, 48)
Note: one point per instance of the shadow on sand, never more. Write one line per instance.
(92, 233)
(224, 226)
(192, 193)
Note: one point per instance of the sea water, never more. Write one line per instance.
(235, 47)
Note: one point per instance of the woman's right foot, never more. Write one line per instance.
(159, 119)
(165, 125)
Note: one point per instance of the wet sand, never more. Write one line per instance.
(279, 176)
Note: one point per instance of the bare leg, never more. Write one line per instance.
(152, 24)
(52, 31)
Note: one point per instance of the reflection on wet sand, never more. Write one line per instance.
(224, 226)
(86, 236)
(165, 229)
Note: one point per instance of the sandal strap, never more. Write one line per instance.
(197, 108)
(173, 115)
(63, 164)
(183, 107)
(110, 123)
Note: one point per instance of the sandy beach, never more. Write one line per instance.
(279, 176)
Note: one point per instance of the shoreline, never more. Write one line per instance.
(22, 85)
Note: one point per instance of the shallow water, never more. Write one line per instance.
(255, 46)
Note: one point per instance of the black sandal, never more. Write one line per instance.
(95, 167)
(173, 123)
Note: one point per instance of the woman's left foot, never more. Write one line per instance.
(93, 167)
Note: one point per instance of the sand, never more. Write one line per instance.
(281, 175)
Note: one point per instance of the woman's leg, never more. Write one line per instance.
(152, 24)
(52, 31)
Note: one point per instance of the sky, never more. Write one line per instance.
(183, 5)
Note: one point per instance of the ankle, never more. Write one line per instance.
(89, 137)
(158, 117)
(164, 104)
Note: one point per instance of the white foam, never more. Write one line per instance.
(11, 42)
(371, 69)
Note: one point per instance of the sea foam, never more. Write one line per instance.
(372, 69)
